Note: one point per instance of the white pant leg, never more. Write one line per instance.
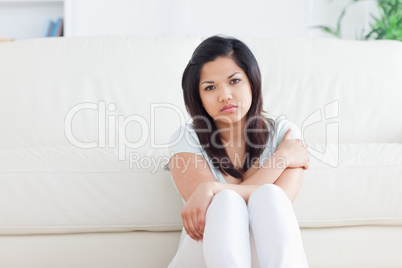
(189, 254)
(226, 235)
(226, 241)
(275, 229)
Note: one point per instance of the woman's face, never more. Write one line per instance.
(223, 82)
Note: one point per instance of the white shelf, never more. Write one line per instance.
(23, 19)
(29, 1)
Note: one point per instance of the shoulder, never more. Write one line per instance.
(184, 140)
(184, 135)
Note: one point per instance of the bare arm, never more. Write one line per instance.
(197, 185)
(269, 171)
(189, 171)
(290, 181)
(287, 175)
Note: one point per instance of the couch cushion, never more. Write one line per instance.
(364, 189)
(70, 190)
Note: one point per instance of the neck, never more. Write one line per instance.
(232, 133)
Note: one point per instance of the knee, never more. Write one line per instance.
(229, 196)
(268, 192)
(229, 205)
(268, 188)
(229, 199)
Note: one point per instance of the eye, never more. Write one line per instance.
(208, 88)
(235, 81)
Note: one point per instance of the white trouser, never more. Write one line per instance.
(263, 233)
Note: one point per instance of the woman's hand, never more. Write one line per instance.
(195, 209)
(294, 151)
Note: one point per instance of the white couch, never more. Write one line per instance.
(69, 197)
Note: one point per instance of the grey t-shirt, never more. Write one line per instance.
(185, 139)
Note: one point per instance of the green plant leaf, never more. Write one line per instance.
(338, 24)
(326, 29)
(369, 35)
(388, 23)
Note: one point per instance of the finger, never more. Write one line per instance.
(190, 232)
(196, 227)
(185, 224)
(288, 134)
(194, 234)
(188, 228)
(307, 166)
(201, 222)
(305, 145)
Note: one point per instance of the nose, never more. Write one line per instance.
(225, 94)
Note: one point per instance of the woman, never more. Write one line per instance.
(237, 171)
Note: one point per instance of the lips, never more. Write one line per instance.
(227, 106)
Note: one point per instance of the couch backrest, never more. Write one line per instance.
(306, 78)
(43, 79)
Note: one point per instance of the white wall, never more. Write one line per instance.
(27, 19)
(20, 19)
(273, 18)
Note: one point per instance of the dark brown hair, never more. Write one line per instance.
(209, 50)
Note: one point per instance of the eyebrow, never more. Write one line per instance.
(211, 82)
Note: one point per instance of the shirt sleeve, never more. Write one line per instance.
(282, 126)
(183, 140)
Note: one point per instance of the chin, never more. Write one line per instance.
(231, 119)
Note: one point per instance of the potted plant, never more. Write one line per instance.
(387, 26)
